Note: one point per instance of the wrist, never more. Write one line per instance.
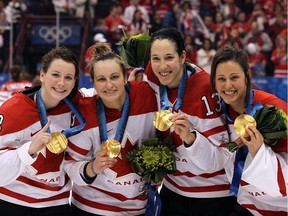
(92, 169)
(191, 139)
(89, 170)
(86, 177)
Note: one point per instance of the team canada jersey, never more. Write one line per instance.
(202, 107)
(116, 191)
(263, 186)
(35, 182)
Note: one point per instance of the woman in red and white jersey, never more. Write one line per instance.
(33, 180)
(121, 113)
(184, 88)
(258, 172)
(263, 185)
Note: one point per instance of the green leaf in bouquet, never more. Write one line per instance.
(136, 50)
(272, 124)
(153, 160)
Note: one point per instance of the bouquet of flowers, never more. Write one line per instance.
(153, 159)
(136, 50)
(271, 123)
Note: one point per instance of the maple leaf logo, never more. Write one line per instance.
(48, 163)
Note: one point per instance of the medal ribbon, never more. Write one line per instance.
(180, 95)
(242, 152)
(153, 207)
(122, 122)
(43, 116)
(251, 109)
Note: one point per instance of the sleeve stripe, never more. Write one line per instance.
(281, 181)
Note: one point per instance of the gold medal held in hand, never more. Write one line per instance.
(242, 122)
(113, 148)
(161, 120)
(58, 143)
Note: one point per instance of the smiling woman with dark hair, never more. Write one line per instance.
(34, 127)
(184, 89)
(265, 169)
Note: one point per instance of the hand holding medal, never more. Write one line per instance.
(59, 140)
(161, 118)
(242, 122)
(113, 148)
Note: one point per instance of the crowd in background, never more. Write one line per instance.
(258, 26)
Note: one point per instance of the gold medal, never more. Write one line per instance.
(58, 143)
(242, 122)
(161, 120)
(113, 148)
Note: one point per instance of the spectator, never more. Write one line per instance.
(170, 18)
(277, 9)
(161, 6)
(229, 10)
(268, 8)
(156, 23)
(191, 22)
(100, 28)
(138, 25)
(220, 29)
(205, 55)
(129, 12)
(241, 24)
(84, 5)
(231, 37)
(260, 38)
(16, 84)
(14, 11)
(186, 19)
(280, 57)
(256, 59)
(191, 49)
(277, 27)
(258, 16)
(115, 24)
(210, 33)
